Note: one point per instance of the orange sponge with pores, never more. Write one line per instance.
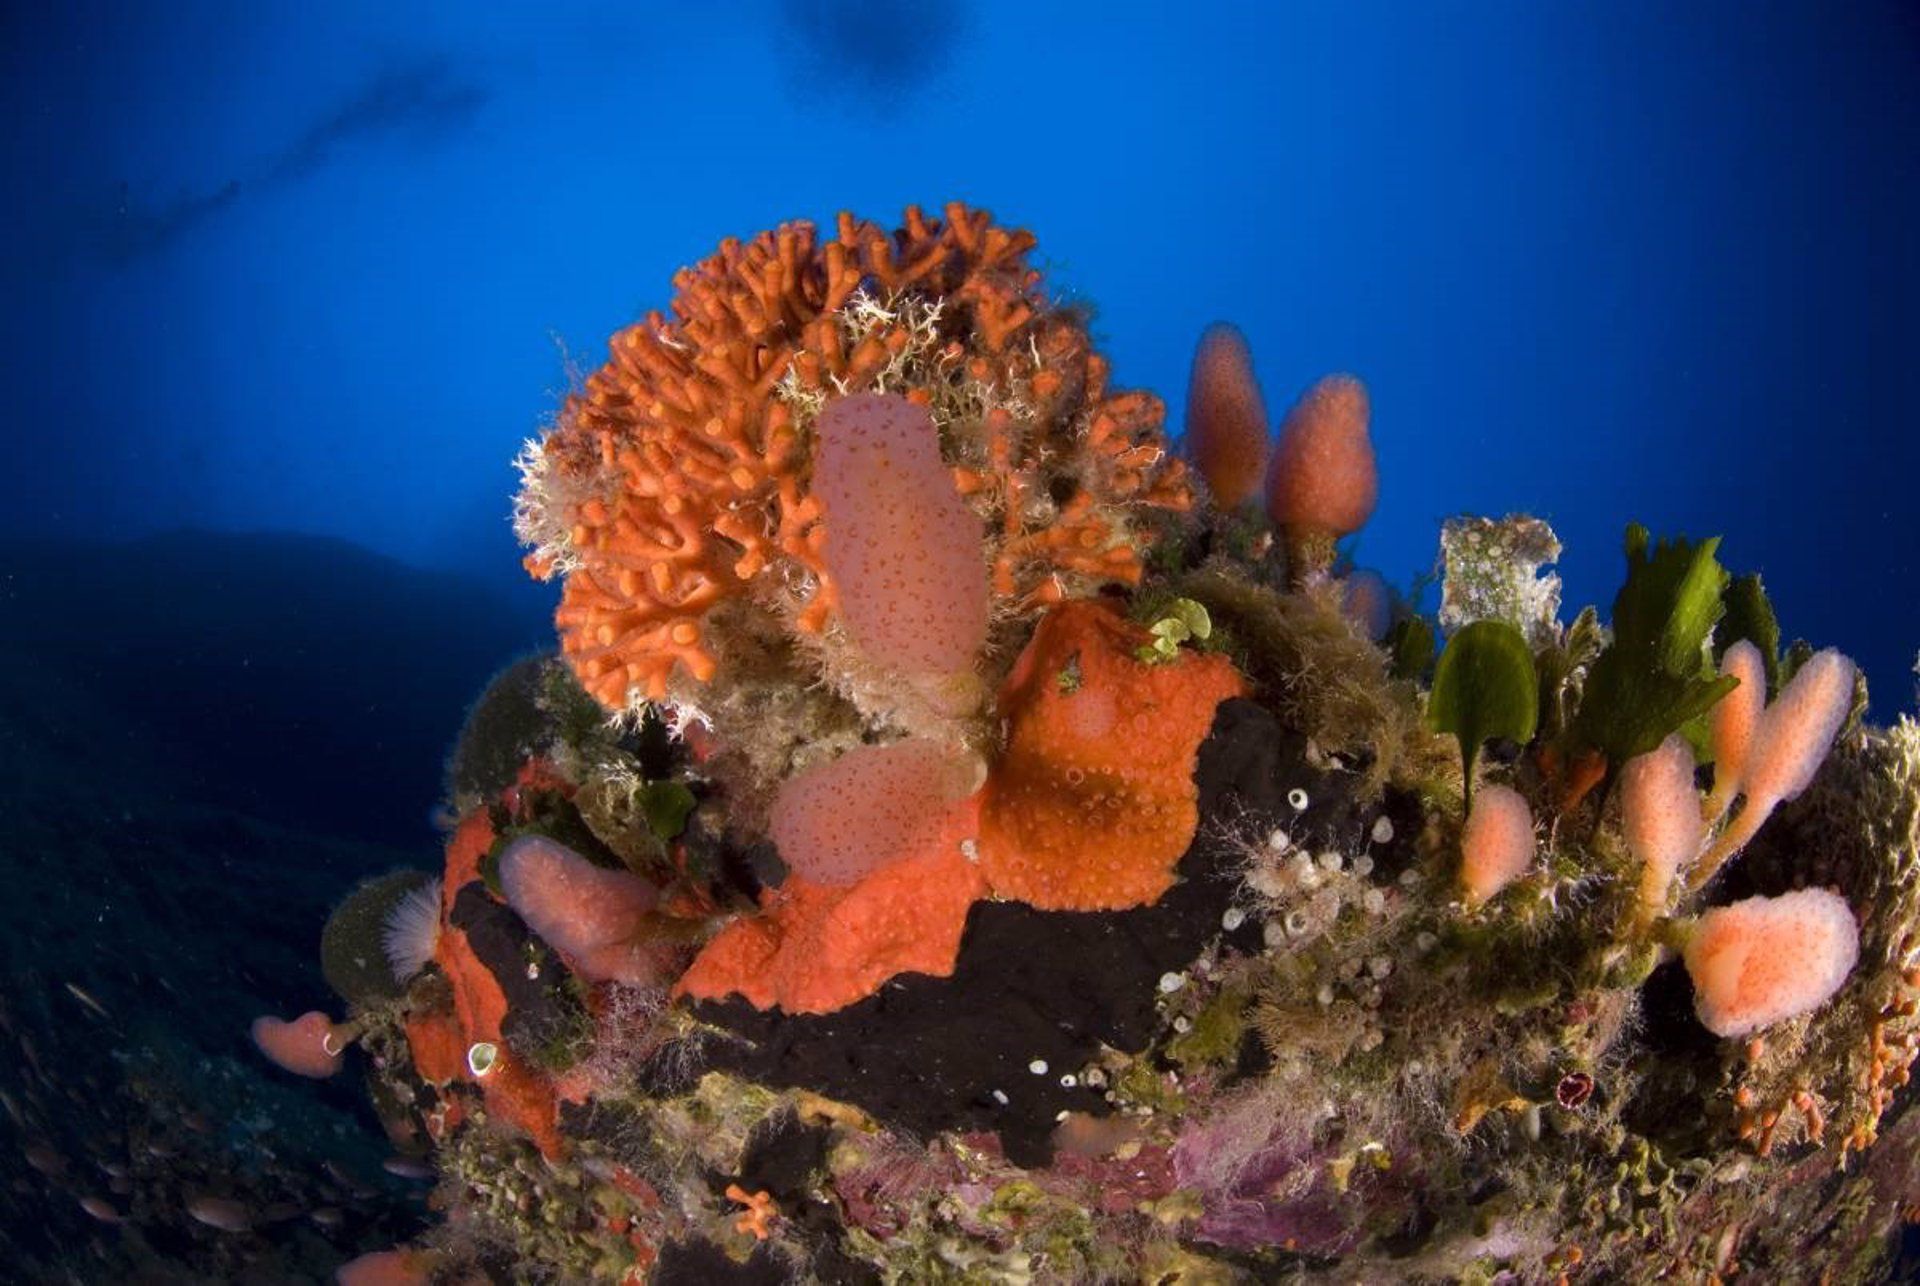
(1226, 418)
(1093, 803)
(815, 949)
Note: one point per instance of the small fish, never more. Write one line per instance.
(223, 1213)
(102, 1209)
(408, 1168)
(44, 1159)
(81, 995)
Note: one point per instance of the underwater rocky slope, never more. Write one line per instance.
(959, 839)
(178, 822)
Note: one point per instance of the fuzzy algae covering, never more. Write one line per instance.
(1208, 1000)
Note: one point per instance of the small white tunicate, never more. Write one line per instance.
(1068, 1081)
(1172, 982)
(1373, 1039)
(1279, 841)
(1409, 879)
(1296, 922)
(1425, 941)
(1363, 866)
(1266, 881)
(1183, 1024)
(999, 1096)
(1374, 901)
(1380, 966)
(1061, 1115)
(1382, 829)
(1233, 918)
(482, 1056)
(1297, 800)
(1324, 995)
(1095, 1077)
(1331, 861)
(1273, 933)
(1038, 1067)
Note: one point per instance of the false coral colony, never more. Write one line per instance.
(960, 839)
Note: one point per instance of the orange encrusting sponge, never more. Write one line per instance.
(1093, 802)
(1226, 418)
(816, 948)
(514, 1093)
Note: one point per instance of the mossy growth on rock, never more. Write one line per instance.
(525, 712)
(353, 955)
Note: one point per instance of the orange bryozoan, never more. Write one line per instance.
(675, 484)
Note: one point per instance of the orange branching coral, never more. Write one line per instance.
(1093, 803)
(815, 948)
(677, 480)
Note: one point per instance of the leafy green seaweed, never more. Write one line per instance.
(1750, 617)
(1485, 687)
(1657, 676)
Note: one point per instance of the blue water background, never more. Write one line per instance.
(322, 268)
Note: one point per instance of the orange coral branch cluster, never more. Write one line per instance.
(679, 473)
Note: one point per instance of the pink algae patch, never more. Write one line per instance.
(815, 948)
(1093, 804)
(304, 1046)
(594, 917)
(835, 822)
(906, 552)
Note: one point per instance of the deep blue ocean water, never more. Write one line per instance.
(282, 291)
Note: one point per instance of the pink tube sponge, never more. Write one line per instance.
(1734, 718)
(1323, 477)
(1664, 829)
(1788, 744)
(1497, 847)
(1791, 739)
(1226, 417)
(307, 1046)
(593, 916)
(834, 822)
(907, 553)
(1764, 960)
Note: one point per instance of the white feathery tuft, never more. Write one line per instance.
(411, 931)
